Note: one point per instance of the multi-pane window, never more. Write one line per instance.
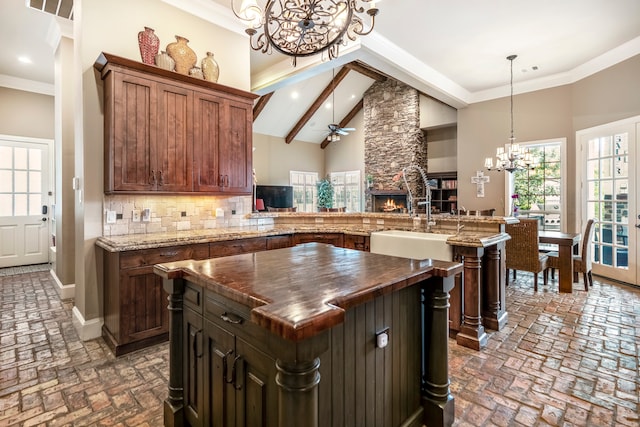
(347, 190)
(539, 190)
(20, 181)
(305, 191)
(607, 198)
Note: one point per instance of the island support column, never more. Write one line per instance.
(494, 313)
(174, 403)
(472, 334)
(437, 401)
(298, 402)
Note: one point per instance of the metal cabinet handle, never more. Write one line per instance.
(231, 318)
(161, 183)
(152, 178)
(169, 254)
(224, 367)
(195, 335)
(234, 376)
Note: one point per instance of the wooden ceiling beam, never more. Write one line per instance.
(262, 102)
(344, 122)
(367, 71)
(317, 104)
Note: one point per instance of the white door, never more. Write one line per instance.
(610, 188)
(24, 216)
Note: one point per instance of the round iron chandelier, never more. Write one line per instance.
(300, 28)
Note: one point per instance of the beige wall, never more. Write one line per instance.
(26, 114)
(273, 158)
(104, 26)
(612, 94)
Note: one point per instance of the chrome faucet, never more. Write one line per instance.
(427, 197)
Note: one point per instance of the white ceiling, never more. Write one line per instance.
(453, 50)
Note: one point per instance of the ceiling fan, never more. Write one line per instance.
(335, 130)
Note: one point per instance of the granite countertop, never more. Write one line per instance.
(473, 234)
(314, 295)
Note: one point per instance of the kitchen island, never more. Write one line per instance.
(306, 336)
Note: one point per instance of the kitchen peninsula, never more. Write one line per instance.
(135, 306)
(309, 335)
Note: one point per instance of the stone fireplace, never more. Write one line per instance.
(393, 139)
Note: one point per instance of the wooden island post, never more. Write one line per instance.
(288, 337)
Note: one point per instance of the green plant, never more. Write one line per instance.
(325, 193)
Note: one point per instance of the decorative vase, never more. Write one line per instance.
(149, 44)
(182, 54)
(163, 60)
(210, 68)
(196, 72)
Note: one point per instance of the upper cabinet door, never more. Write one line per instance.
(129, 128)
(236, 150)
(173, 151)
(207, 130)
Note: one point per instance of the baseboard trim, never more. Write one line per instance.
(87, 330)
(64, 291)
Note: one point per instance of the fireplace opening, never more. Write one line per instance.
(389, 201)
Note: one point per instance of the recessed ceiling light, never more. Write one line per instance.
(25, 59)
(295, 95)
(327, 105)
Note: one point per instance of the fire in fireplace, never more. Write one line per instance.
(389, 201)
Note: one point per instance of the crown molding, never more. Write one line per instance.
(26, 85)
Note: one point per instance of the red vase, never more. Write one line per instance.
(149, 44)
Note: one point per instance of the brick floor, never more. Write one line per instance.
(562, 360)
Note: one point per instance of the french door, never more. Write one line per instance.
(610, 190)
(24, 211)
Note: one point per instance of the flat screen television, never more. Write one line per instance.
(276, 196)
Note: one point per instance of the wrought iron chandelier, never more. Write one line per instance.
(511, 157)
(305, 27)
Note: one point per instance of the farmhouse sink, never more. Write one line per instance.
(411, 244)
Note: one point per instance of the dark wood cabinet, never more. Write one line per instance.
(167, 132)
(335, 239)
(353, 241)
(135, 305)
(227, 380)
(222, 144)
(279, 242)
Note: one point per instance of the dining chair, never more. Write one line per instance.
(581, 263)
(522, 251)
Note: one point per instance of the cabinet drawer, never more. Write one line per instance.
(192, 297)
(232, 314)
(235, 247)
(277, 242)
(144, 257)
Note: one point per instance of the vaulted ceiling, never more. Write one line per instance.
(454, 51)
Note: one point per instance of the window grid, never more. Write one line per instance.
(347, 190)
(20, 181)
(539, 190)
(607, 198)
(305, 192)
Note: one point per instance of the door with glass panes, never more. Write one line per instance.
(610, 190)
(24, 212)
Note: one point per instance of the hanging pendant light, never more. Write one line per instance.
(511, 157)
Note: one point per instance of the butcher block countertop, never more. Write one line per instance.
(298, 292)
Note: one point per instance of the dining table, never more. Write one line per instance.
(566, 243)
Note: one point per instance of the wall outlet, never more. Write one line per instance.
(111, 217)
(146, 215)
(135, 215)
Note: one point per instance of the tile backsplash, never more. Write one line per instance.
(174, 213)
